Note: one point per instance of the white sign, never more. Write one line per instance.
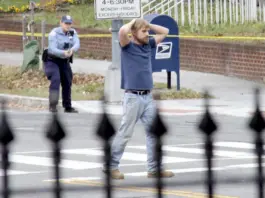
(117, 9)
(163, 50)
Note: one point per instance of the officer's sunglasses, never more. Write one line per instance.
(68, 23)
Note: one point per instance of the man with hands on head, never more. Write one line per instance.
(136, 80)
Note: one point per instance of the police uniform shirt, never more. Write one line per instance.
(57, 40)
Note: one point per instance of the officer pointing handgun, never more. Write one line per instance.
(63, 42)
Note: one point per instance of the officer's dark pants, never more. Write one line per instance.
(59, 72)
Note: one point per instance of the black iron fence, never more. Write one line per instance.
(105, 131)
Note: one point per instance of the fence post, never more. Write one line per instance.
(55, 134)
(31, 24)
(257, 124)
(105, 131)
(6, 136)
(208, 126)
(24, 38)
(158, 129)
(43, 31)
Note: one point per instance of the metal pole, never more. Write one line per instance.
(112, 82)
(169, 79)
(5, 165)
(43, 35)
(116, 25)
(32, 20)
(43, 31)
(24, 31)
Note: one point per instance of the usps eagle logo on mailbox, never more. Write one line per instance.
(163, 50)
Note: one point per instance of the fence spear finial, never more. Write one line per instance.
(208, 126)
(257, 124)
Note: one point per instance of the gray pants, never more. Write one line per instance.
(135, 107)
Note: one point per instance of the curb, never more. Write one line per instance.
(115, 108)
(30, 102)
(37, 103)
(42, 104)
(26, 101)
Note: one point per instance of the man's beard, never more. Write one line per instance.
(143, 41)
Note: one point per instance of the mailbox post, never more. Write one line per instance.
(166, 54)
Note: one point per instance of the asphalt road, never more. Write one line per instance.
(32, 170)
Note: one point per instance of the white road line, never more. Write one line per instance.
(15, 172)
(240, 145)
(25, 128)
(139, 157)
(73, 178)
(186, 170)
(202, 151)
(44, 151)
(129, 156)
(176, 171)
(44, 161)
(192, 170)
(31, 152)
(49, 151)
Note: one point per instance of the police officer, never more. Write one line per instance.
(63, 42)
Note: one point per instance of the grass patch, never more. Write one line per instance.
(35, 83)
(169, 94)
(85, 86)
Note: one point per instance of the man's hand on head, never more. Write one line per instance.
(124, 31)
(161, 32)
(133, 21)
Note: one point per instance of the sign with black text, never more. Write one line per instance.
(117, 9)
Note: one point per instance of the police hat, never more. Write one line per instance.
(67, 19)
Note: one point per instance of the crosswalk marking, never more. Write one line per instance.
(191, 170)
(202, 151)
(13, 172)
(16, 172)
(175, 155)
(176, 171)
(44, 161)
(239, 145)
(129, 156)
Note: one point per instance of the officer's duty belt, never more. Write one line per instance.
(52, 57)
(55, 58)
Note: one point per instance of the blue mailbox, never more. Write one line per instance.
(166, 55)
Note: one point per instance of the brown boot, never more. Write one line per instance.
(115, 174)
(163, 174)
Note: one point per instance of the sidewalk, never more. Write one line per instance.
(232, 94)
